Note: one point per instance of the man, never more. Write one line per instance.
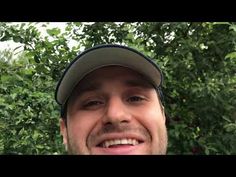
(110, 97)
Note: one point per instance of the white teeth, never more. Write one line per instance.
(124, 141)
(115, 142)
(130, 141)
(109, 143)
(135, 142)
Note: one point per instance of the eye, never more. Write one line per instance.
(135, 99)
(92, 104)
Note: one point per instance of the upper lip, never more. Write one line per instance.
(112, 136)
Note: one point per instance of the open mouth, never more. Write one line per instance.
(113, 143)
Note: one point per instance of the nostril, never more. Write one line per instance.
(108, 124)
(115, 122)
(124, 121)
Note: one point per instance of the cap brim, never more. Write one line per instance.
(105, 55)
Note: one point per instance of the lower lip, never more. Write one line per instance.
(118, 150)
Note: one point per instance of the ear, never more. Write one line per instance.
(63, 130)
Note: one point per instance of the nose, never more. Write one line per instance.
(116, 112)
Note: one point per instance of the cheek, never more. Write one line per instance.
(79, 127)
(152, 119)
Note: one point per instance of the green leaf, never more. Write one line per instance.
(231, 55)
(230, 127)
(35, 135)
(17, 39)
(226, 118)
(53, 31)
(13, 95)
(77, 23)
(221, 23)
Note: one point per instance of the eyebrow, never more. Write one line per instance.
(138, 83)
(88, 87)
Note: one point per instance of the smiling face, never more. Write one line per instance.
(114, 110)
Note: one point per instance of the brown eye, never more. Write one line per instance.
(93, 103)
(135, 99)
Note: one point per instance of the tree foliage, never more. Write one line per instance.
(198, 61)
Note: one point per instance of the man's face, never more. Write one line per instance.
(114, 110)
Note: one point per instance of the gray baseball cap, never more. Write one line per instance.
(105, 55)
